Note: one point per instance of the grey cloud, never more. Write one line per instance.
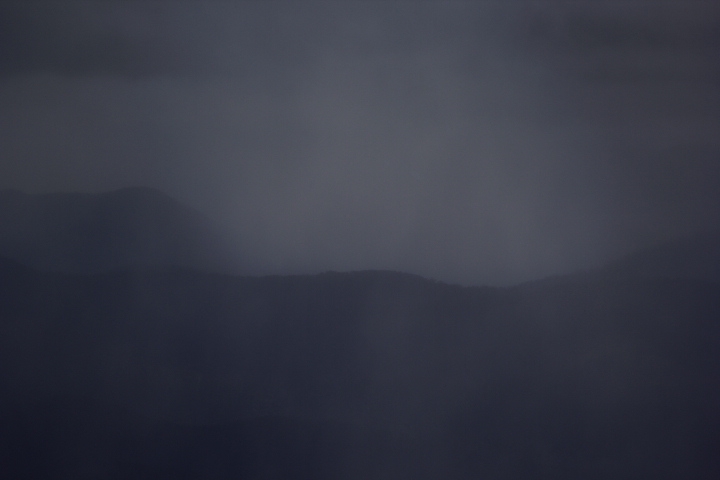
(433, 138)
(39, 37)
(637, 25)
(635, 43)
(172, 38)
(133, 39)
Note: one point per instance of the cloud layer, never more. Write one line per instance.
(475, 143)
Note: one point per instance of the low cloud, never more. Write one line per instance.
(474, 143)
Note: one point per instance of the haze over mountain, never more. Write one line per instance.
(183, 374)
(463, 207)
(130, 228)
(480, 143)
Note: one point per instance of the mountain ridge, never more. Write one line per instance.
(458, 377)
(179, 372)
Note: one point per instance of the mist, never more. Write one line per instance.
(475, 143)
(337, 240)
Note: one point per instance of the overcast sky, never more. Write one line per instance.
(470, 142)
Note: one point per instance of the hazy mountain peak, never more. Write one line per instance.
(135, 227)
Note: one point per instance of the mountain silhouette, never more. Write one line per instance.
(178, 373)
(128, 228)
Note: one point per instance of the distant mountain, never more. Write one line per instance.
(128, 228)
(695, 257)
(182, 374)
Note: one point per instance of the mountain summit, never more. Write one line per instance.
(130, 228)
(185, 374)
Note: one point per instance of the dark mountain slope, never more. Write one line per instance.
(127, 228)
(369, 373)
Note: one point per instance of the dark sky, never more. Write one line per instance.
(469, 142)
